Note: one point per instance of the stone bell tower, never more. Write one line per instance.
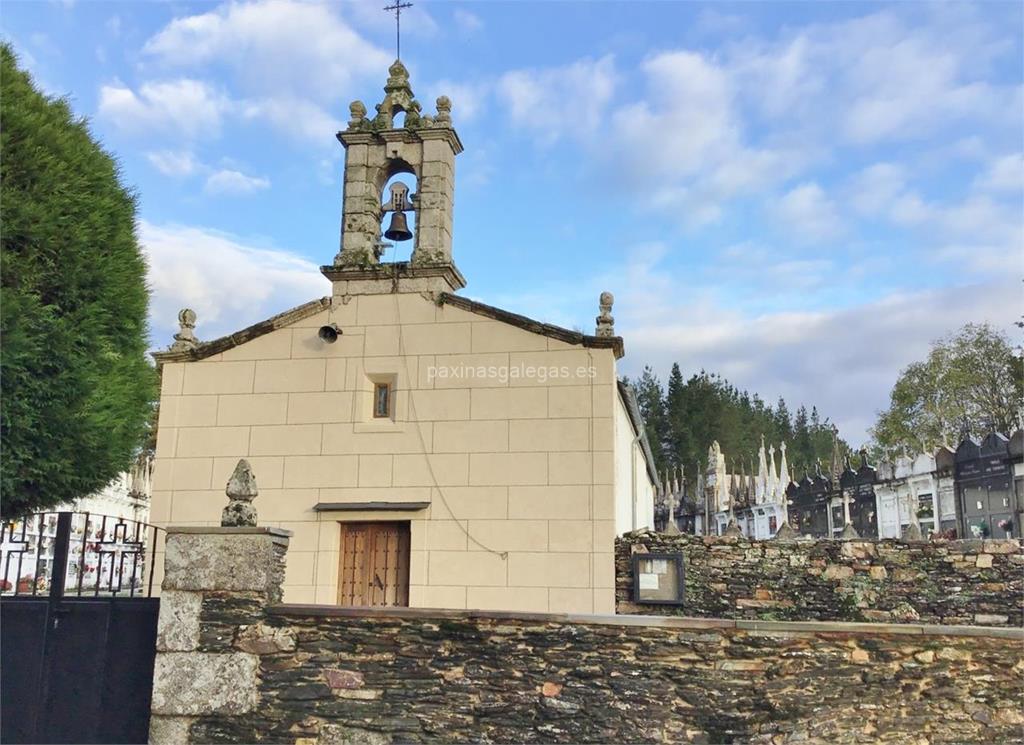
(376, 150)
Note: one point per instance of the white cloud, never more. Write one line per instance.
(873, 190)
(229, 283)
(996, 260)
(174, 162)
(886, 76)
(977, 233)
(682, 146)
(416, 21)
(685, 121)
(905, 84)
(305, 49)
(299, 119)
(468, 23)
(287, 60)
(809, 213)
(555, 102)
(843, 361)
(467, 99)
(1003, 174)
(710, 128)
(233, 183)
(909, 209)
(189, 108)
(765, 270)
(44, 44)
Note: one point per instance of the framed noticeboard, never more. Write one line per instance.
(658, 579)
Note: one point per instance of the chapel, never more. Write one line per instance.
(424, 448)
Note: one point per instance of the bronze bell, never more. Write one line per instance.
(398, 230)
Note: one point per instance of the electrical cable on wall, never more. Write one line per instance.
(423, 442)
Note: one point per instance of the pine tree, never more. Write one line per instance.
(651, 399)
(77, 389)
(677, 410)
(803, 448)
(706, 407)
(783, 421)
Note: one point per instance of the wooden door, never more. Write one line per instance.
(374, 564)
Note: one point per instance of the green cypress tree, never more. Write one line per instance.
(77, 388)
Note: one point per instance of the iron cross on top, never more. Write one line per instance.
(398, 7)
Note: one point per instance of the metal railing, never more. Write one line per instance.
(68, 554)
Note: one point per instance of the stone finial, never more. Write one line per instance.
(241, 490)
(444, 111)
(850, 533)
(605, 321)
(398, 75)
(733, 529)
(913, 532)
(357, 114)
(398, 97)
(185, 340)
(786, 533)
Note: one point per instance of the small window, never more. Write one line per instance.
(381, 400)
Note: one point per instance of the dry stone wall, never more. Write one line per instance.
(970, 582)
(329, 676)
(234, 667)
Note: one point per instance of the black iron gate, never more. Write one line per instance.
(77, 628)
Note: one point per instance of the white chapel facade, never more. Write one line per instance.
(424, 449)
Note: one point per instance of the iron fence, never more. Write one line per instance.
(77, 554)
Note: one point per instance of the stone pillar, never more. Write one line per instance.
(436, 198)
(206, 665)
(360, 207)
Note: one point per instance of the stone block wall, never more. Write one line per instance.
(516, 473)
(217, 582)
(938, 582)
(232, 667)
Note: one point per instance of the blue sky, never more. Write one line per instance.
(800, 196)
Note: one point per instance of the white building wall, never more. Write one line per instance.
(644, 494)
(624, 464)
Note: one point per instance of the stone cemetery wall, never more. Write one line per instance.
(970, 582)
(233, 667)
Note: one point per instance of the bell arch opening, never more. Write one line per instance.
(398, 216)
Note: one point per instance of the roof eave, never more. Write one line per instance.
(636, 419)
(224, 343)
(614, 343)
